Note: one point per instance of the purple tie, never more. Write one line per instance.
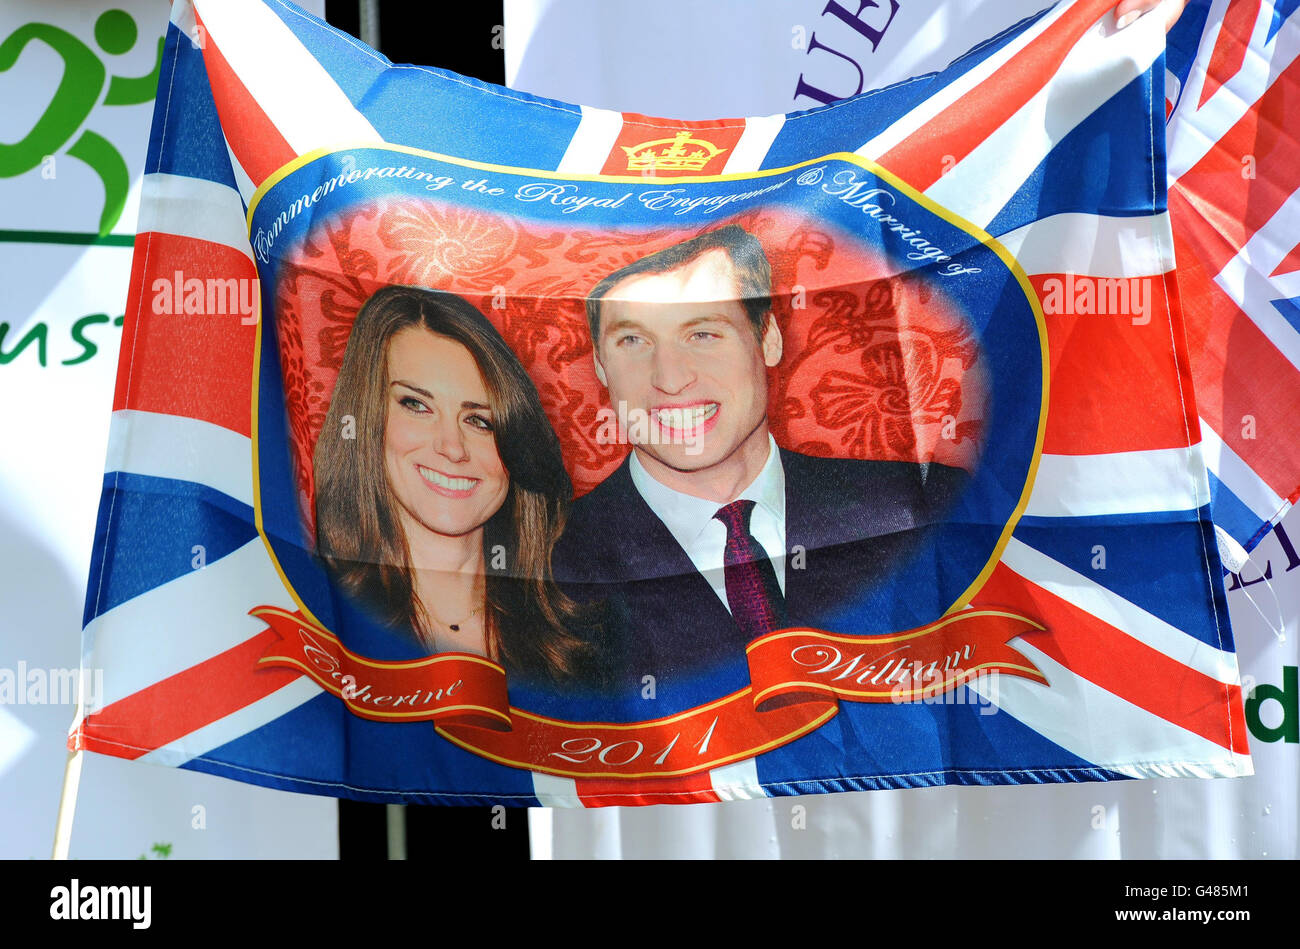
(753, 594)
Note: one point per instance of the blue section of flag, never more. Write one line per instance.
(1290, 310)
(1146, 558)
(1231, 513)
(328, 750)
(1184, 40)
(1282, 9)
(1107, 165)
(186, 138)
(148, 529)
(920, 745)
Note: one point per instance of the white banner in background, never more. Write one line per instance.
(774, 56)
(786, 55)
(77, 83)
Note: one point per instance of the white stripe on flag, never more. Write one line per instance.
(189, 620)
(592, 142)
(554, 791)
(1093, 244)
(1196, 132)
(1129, 618)
(242, 181)
(296, 92)
(237, 724)
(1104, 729)
(754, 144)
(916, 119)
(1238, 477)
(183, 449)
(1124, 482)
(1243, 278)
(194, 208)
(737, 781)
(981, 184)
(182, 17)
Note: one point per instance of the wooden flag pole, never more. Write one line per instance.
(71, 775)
(67, 805)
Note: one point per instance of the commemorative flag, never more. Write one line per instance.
(1234, 177)
(470, 447)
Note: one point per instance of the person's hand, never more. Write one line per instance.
(1129, 10)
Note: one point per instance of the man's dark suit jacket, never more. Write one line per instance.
(855, 520)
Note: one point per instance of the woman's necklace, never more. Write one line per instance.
(455, 627)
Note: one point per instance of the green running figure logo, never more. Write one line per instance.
(77, 94)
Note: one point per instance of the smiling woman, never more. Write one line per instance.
(440, 488)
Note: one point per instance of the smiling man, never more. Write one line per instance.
(710, 535)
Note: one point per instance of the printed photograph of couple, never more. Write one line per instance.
(599, 456)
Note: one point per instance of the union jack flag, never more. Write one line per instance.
(1234, 171)
(1049, 137)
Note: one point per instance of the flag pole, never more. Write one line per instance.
(369, 22)
(394, 814)
(67, 805)
(395, 817)
(72, 771)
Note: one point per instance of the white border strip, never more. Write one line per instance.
(183, 449)
(194, 208)
(242, 181)
(755, 142)
(1092, 244)
(1123, 482)
(592, 142)
(554, 791)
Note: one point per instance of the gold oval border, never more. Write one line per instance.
(893, 180)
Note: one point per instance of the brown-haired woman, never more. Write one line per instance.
(453, 467)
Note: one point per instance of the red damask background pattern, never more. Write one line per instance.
(875, 366)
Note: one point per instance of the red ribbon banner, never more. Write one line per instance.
(798, 677)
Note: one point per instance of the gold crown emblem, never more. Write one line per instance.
(679, 153)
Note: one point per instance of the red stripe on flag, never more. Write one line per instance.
(1120, 664)
(1249, 173)
(1291, 262)
(689, 789)
(1246, 390)
(1115, 386)
(1230, 47)
(193, 365)
(958, 130)
(185, 702)
(657, 147)
(259, 146)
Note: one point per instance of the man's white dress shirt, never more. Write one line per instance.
(704, 538)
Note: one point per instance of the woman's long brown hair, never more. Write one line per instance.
(529, 620)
